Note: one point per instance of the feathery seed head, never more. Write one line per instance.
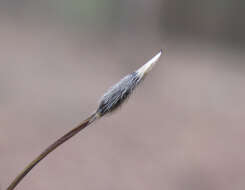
(118, 93)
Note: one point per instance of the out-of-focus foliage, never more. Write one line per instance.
(219, 20)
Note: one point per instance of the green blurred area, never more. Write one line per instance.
(217, 20)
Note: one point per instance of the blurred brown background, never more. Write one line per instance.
(183, 128)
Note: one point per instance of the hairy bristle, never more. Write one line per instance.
(118, 93)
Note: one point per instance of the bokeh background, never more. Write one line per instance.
(184, 128)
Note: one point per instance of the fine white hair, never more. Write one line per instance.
(118, 93)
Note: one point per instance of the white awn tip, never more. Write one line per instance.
(149, 65)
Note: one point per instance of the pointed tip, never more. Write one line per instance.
(148, 66)
(157, 56)
(161, 52)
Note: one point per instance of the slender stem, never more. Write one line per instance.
(111, 100)
(51, 148)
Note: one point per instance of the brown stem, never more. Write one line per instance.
(51, 148)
